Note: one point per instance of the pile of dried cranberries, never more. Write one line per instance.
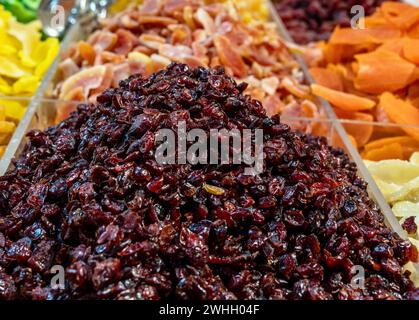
(88, 195)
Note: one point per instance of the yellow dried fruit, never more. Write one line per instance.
(217, 191)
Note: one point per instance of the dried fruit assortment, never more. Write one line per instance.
(371, 75)
(89, 195)
(314, 20)
(147, 38)
(24, 59)
(398, 180)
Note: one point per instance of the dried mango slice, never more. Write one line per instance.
(390, 151)
(7, 127)
(401, 15)
(341, 100)
(374, 34)
(411, 50)
(375, 68)
(327, 78)
(9, 46)
(5, 87)
(13, 109)
(401, 112)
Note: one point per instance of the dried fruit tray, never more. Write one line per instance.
(41, 113)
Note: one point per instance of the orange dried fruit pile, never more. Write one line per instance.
(372, 75)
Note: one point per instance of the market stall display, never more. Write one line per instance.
(24, 59)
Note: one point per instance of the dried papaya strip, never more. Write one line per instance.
(383, 70)
(401, 112)
(395, 46)
(341, 100)
(327, 78)
(387, 152)
(401, 15)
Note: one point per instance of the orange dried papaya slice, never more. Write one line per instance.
(87, 52)
(362, 131)
(383, 70)
(327, 78)
(401, 15)
(341, 100)
(333, 53)
(387, 152)
(374, 34)
(411, 50)
(401, 112)
(413, 91)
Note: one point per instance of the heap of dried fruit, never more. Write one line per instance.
(144, 39)
(89, 195)
(314, 20)
(372, 74)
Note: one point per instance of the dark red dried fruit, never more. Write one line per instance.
(125, 227)
(314, 20)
